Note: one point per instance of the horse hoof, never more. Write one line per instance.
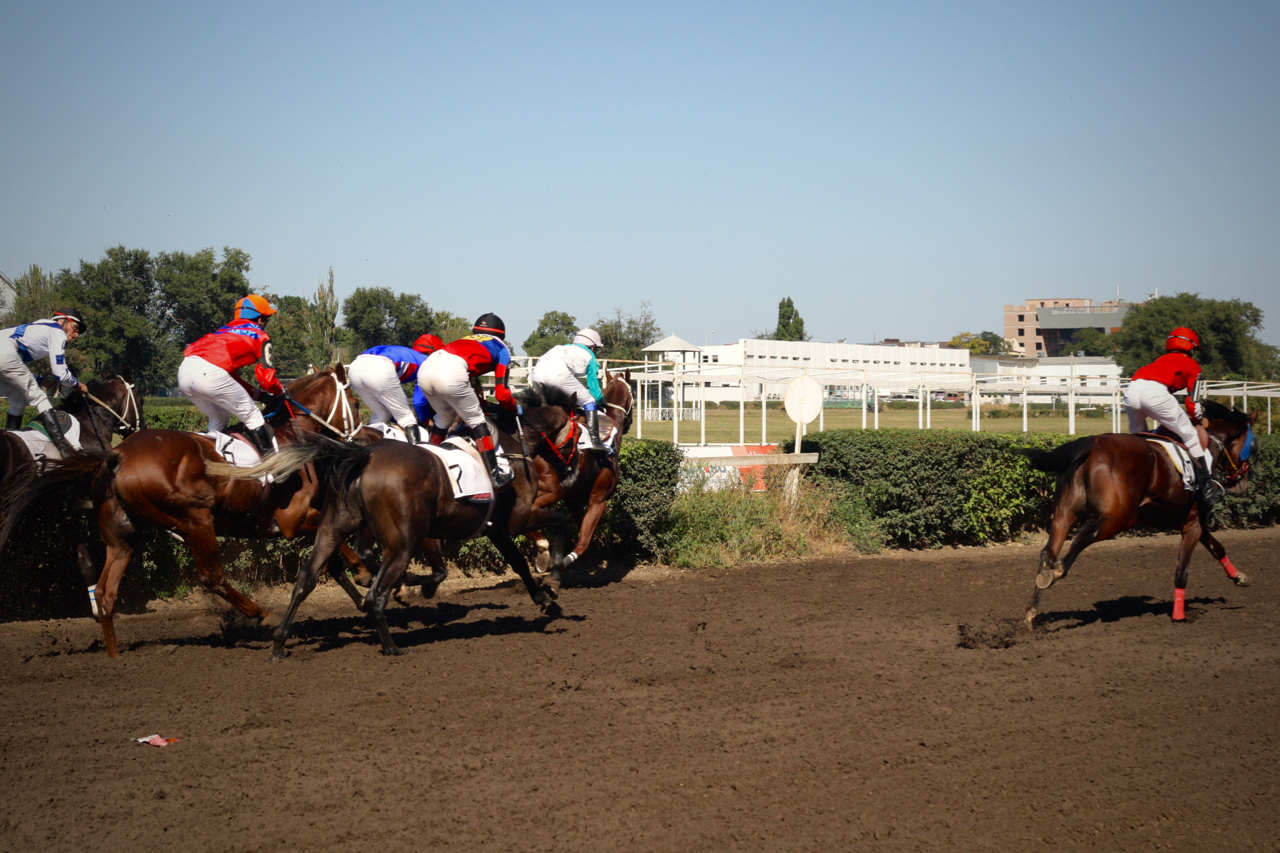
(1045, 579)
(1241, 579)
(269, 620)
(394, 651)
(543, 562)
(552, 610)
(279, 655)
(363, 580)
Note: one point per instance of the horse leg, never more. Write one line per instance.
(334, 527)
(543, 561)
(1065, 513)
(590, 521)
(432, 550)
(1219, 553)
(393, 568)
(1191, 533)
(198, 533)
(542, 595)
(114, 527)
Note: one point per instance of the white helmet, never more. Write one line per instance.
(588, 338)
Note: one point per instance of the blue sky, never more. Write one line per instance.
(898, 169)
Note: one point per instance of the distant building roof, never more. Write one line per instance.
(672, 344)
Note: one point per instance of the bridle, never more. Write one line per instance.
(565, 450)
(341, 410)
(130, 409)
(627, 409)
(1235, 470)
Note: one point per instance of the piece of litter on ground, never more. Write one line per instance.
(156, 740)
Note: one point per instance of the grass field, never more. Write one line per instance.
(722, 425)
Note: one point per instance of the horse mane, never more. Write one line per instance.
(303, 383)
(1215, 411)
(544, 395)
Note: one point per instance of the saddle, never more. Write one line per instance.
(1178, 454)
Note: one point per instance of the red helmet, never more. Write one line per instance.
(1182, 339)
(427, 344)
(253, 308)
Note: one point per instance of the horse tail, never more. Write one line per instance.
(279, 464)
(1063, 460)
(29, 483)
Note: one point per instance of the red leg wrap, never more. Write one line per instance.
(1179, 605)
(1226, 564)
(485, 443)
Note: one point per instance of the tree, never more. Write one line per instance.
(1093, 342)
(983, 343)
(626, 335)
(197, 293)
(1228, 331)
(555, 328)
(36, 296)
(790, 324)
(377, 316)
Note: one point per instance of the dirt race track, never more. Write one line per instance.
(868, 703)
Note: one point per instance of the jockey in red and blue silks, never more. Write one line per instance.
(208, 373)
(1150, 395)
(445, 379)
(378, 373)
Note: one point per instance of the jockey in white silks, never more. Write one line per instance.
(573, 369)
(21, 345)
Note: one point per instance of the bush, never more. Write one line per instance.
(639, 514)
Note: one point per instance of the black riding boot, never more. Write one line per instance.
(593, 432)
(1210, 490)
(437, 435)
(489, 453)
(13, 421)
(413, 434)
(264, 438)
(51, 426)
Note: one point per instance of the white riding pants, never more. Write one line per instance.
(215, 393)
(556, 375)
(374, 379)
(444, 378)
(1146, 398)
(17, 383)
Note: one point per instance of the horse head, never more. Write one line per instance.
(1231, 442)
(110, 405)
(319, 402)
(618, 398)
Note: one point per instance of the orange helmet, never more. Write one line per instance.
(1182, 339)
(427, 344)
(253, 308)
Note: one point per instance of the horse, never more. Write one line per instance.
(159, 478)
(1116, 481)
(403, 495)
(584, 481)
(110, 407)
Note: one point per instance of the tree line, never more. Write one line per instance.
(142, 309)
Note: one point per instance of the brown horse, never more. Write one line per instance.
(158, 478)
(404, 496)
(584, 481)
(111, 407)
(1114, 482)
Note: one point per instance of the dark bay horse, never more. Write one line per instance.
(158, 478)
(1114, 482)
(111, 407)
(404, 496)
(583, 480)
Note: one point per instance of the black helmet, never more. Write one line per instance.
(490, 324)
(73, 315)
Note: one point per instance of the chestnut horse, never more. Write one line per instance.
(404, 496)
(158, 478)
(1115, 482)
(584, 481)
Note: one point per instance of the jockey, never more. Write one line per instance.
(208, 373)
(21, 345)
(573, 369)
(445, 378)
(377, 374)
(1150, 395)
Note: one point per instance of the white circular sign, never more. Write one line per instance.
(803, 400)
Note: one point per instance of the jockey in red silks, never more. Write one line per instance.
(445, 378)
(1150, 395)
(207, 376)
(377, 374)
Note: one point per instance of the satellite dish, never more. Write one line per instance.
(803, 399)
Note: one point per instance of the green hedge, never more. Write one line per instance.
(639, 513)
(928, 489)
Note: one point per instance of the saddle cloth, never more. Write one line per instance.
(389, 431)
(38, 442)
(1181, 460)
(237, 451)
(608, 429)
(467, 473)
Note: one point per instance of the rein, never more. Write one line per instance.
(1235, 471)
(571, 442)
(340, 401)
